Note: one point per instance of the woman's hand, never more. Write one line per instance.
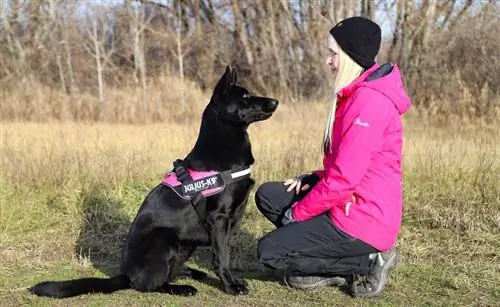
(296, 183)
(301, 183)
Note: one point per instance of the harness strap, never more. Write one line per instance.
(183, 176)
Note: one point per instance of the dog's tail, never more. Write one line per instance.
(69, 288)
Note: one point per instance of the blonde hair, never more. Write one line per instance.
(348, 71)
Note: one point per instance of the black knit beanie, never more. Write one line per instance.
(360, 38)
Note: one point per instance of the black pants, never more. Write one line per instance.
(312, 247)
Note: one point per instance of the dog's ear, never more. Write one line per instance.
(234, 76)
(224, 82)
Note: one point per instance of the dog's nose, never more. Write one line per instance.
(271, 105)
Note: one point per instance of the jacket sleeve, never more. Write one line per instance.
(363, 126)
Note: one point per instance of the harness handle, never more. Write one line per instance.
(183, 176)
(180, 172)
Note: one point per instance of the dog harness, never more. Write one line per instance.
(190, 184)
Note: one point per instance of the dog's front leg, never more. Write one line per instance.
(222, 258)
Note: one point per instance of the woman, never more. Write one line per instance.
(343, 221)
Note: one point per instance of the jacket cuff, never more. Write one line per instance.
(320, 173)
(287, 217)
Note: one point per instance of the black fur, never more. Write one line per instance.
(167, 229)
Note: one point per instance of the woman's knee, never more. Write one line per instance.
(263, 196)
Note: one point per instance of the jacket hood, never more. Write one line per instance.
(385, 79)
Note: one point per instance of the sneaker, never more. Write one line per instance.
(313, 281)
(372, 284)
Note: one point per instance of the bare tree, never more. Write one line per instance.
(100, 45)
(367, 8)
(180, 54)
(139, 23)
(67, 19)
(274, 45)
(239, 13)
(13, 35)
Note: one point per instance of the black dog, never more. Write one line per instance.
(197, 204)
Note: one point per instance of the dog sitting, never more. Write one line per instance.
(197, 204)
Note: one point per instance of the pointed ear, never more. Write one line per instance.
(234, 76)
(224, 81)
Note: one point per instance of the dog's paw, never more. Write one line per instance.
(181, 290)
(242, 281)
(239, 287)
(187, 291)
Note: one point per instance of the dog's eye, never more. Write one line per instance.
(246, 96)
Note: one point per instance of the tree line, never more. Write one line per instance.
(447, 49)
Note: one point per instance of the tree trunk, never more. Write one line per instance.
(180, 55)
(239, 21)
(276, 48)
(139, 58)
(99, 69)
(367, 8)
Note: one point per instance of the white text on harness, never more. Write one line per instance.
(196, 186)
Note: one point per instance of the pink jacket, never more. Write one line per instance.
(365, 162)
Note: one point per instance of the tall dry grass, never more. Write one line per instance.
(451, 173)
(31, 100)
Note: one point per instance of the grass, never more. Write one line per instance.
(68, 192)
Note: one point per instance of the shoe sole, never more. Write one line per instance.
(391, 264)
(334, 281)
